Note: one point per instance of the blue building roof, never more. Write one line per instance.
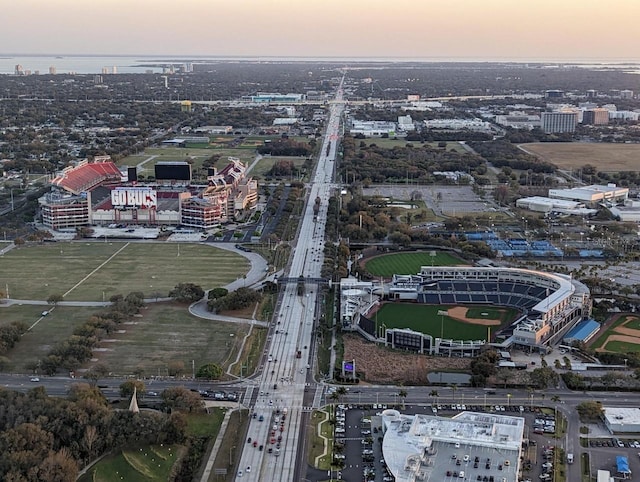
(582, 330)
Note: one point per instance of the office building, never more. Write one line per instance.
(558, 122)
(595, 117)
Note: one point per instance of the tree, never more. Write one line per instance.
(434, 394)
(81, 392)
(180, 398)
(210, 371)
(402, 394)
(59, 466)
(216, 293)
(96, 372)
(187, 293)
(55, 298)
(175, 367)
(126, 388)
(454, 387)
(590, 411)
(543, 377)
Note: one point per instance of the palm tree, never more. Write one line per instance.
(341, 391)
(402, 394)
(434, 394)
(454, 387)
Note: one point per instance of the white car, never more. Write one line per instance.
(35, 379)
(249, 468)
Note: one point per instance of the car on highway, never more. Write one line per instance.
(34, 379)
(249, 468)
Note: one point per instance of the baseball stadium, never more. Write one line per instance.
(456, 311)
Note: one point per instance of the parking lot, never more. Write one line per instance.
(358, 433)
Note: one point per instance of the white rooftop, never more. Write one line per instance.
(622, 415)
(419, 446)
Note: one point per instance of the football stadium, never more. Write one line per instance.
(98, 193)
(544, 307)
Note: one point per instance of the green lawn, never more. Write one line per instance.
(148, 463)
(266, 163)
(425, 319)
(622, 347)
(391, 143)
(54, 328)
(409, 263)
(59, 268)
(205, 424)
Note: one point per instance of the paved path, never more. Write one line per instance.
(216, 446)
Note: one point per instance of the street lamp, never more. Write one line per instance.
(509, 399)
(231, 455)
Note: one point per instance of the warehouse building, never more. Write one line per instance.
(622, 419)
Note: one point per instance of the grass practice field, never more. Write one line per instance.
(408, 263)
(622, 336)
(572, 155)
(95, 271)
(425, 319)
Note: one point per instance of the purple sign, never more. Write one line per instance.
(348, 367)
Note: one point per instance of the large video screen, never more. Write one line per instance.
(173, 171)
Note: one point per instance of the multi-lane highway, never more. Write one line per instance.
(279, 404)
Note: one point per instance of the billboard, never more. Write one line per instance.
(134, 197)
(173, 171)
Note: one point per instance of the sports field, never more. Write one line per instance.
(622, 335)
(94, 271)
(409, 263)
(572, 155)
(461, 322)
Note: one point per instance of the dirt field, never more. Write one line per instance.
(460, 313)
(572, 155)
(381, 365)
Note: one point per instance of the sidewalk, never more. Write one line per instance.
(216, 446)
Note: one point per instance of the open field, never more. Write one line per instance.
(167, 333)
(573, 155)
(408, 263)
(391, 143)
(114, 268)
(164, 333)
(621, 336)
(425, 319)
(266, 163)
(149, 463)
(52, 329)
(378, 364)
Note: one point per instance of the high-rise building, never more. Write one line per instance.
(52, 70)
(596, 117)
(558, 122)
(626, 94)
(19, 70)
(115, 69)
(554, 94)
